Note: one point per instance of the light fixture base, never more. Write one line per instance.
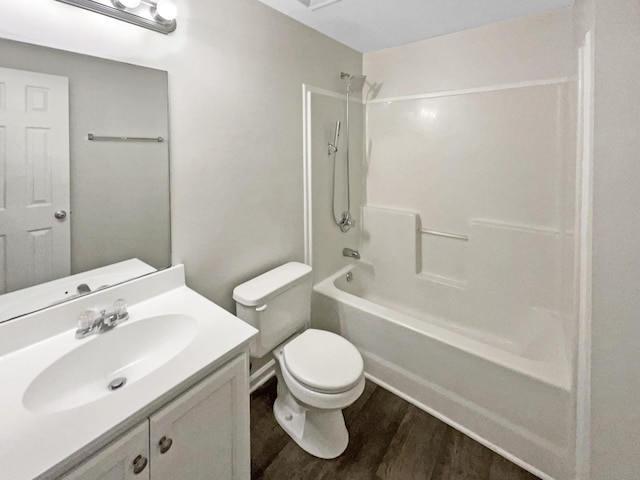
(141, 16)
(317, 4)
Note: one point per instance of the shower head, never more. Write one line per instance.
(355, 82)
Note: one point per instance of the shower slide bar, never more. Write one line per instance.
(97, 138)
(444, 234)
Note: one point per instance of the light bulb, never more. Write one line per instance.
(126, 3)
(165, 10)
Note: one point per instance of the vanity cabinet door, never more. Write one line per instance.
(204, 433)
(125, 459)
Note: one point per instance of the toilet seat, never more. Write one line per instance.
(323, 361)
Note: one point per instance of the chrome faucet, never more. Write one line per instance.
(351, 253)
(89, 324)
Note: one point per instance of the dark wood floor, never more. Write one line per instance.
(389, 439)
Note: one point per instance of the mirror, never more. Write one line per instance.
(79, 214)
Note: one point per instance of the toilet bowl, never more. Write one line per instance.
(319, 373)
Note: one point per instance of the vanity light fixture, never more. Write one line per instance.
(126, 3)
(157, 15)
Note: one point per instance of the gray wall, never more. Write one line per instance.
(119, 191)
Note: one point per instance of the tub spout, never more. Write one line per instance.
(351, 253)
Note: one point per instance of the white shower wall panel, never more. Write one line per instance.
(498, 154)
(513, 269)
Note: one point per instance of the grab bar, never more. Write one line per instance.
(98, 138)
(464, 238)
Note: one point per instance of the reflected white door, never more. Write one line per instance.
(34, 178)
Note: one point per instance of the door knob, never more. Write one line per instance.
(60, 214)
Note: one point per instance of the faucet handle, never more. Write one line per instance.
(120, 309)
(85, 320)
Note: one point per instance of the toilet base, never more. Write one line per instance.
(321, 433)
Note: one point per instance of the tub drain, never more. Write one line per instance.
(117, 383)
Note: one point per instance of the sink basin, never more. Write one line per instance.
(130, 351)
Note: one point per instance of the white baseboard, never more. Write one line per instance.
(259, 378)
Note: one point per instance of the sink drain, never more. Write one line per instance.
(117, 383)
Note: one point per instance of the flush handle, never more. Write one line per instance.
(165, 444)
(139, 464)
(261, 308)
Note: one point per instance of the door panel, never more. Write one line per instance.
(125, 459)
(204, 434)
(34, 164)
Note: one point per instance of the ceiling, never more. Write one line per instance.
(367, 25)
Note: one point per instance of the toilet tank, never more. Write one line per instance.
(277, 303)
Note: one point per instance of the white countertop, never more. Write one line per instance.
(42, 444)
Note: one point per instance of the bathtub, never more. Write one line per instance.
(513, 393)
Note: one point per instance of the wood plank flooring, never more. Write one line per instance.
(389, 439)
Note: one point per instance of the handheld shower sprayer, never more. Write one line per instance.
(333, 147)
(337, 134)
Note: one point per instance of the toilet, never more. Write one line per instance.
(319, 373)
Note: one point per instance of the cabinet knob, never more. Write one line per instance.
(165, 444)
(139, 464)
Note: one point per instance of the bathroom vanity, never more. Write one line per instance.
(200, 434)
(182, 410)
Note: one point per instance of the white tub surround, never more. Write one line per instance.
(500, 297)
(465, 300)
(44, 442)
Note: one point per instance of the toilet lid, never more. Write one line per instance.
(323, 361)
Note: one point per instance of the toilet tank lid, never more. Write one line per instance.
(257, 290)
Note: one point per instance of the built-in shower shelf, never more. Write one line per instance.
(442, 280)
(517, 227)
